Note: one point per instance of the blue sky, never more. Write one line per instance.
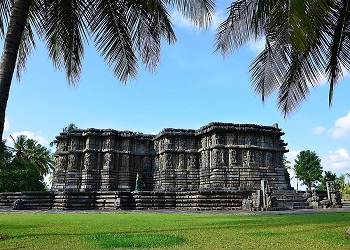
(191, 87)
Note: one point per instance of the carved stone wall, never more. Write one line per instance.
(218, 156)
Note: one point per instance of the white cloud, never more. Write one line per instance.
(338, 160)
(6, 125)
(318, 130)
(341, 127)
(322, 79)
(30, 135)
(258, 45)
(218, 18)
(180, 21)
(291, 155)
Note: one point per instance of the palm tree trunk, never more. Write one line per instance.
(18, 20)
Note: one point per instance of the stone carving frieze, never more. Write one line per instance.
(90, 160)
(181, 161)
(108, 160)
(72, 162)
(126, 145)
(60, 162)
(251, 157)
(245, 158)
(125, 162)
(232, 157)
(268, 159)
(222, 157)
(191, 161)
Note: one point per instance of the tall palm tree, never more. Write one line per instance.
(121, 30)
(306, 40)
(29, 150)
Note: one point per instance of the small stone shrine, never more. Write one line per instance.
(216, 157)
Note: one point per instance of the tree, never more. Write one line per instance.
(17, 174)
(328, 176)
(5, 155)
(20, 176)
(306, 41)
(122, 31)
(29, 150)
(308, 168)
(71, 127)
(346, 193)
(340, 183)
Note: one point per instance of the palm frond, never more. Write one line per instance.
(66, 33)
(297, 43)
(25, 49)
(5, 11)
(27, 44)
(236, 29)
(294, 89)
(149, 21)
(265, 72)
(269, 68)
(338, 53)
(111, 30)
(200, 12)
(29, 150)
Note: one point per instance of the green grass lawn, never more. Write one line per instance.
(173, 231)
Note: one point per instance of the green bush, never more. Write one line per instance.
(20, 176)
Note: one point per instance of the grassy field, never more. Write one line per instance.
(173, 231)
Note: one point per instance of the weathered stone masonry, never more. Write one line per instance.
(218, 156)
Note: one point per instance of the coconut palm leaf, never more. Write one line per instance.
(19, 149)
(27, 44)
(122, 30)
(149, 29)
(236, 29)
(5, 10)
(304, 39)
(29, 150)
(65, 29)
(338, 53)
(199, 11)
(26, 48)
(110, 26)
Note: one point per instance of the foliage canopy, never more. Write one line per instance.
(23, 166)
(124, 32)
(308, 168)
(306, 41)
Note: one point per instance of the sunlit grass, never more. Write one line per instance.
(174, 231)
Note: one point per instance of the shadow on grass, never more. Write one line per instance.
(139, 240)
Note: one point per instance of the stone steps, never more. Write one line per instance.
(290, 199)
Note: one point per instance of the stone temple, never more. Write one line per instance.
(216, 157)
(219, 166)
